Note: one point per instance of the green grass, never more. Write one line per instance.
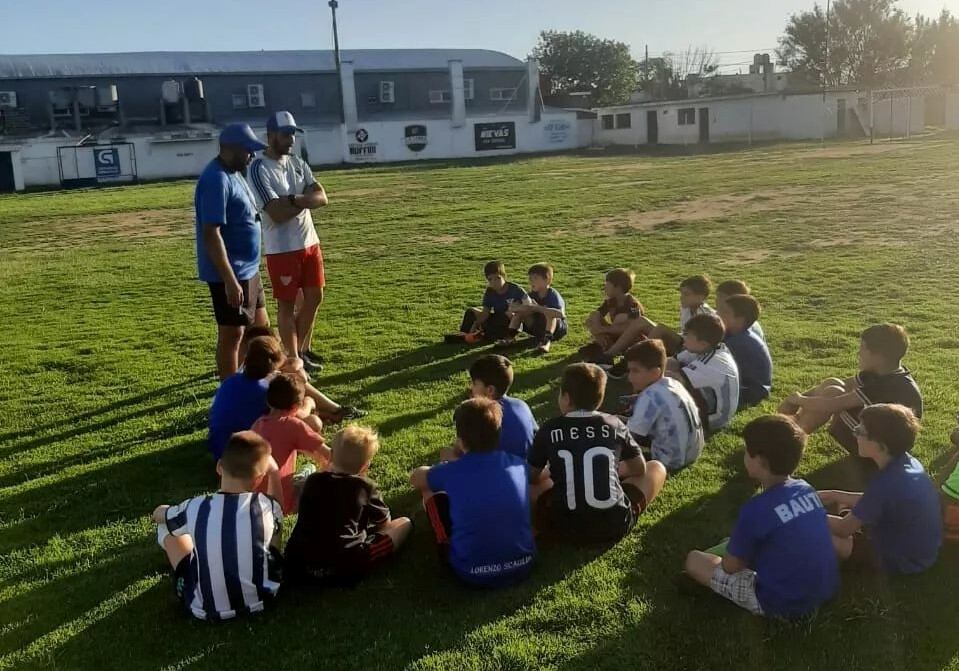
(106, 378)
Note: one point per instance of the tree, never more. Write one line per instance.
(868, 43)
(934, 52)
(578, 62)
(664, 78)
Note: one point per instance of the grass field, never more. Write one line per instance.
(106, 378)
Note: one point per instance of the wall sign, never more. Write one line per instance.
(362, 149)
(500, 135)
(107, 162)
(557, 131)
(415, 137)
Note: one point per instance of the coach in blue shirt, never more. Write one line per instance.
(228, 243)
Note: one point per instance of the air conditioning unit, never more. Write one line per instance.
(437, 96)
(8, 98)
(387, 92)
(254, 95)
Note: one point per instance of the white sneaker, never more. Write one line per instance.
(299, 479)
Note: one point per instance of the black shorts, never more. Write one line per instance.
(536, 327)
(551, 523)
(184, 579)
(349, 567)
(253, 300)
(495, 327)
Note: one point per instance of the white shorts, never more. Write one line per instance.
(740, 588)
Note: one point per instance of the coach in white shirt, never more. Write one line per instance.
(286, 192)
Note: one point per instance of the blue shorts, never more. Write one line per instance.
(536, 327)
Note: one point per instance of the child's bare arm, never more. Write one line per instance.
(827, 404)
(837, 497)
(733, 564)
(274, 486)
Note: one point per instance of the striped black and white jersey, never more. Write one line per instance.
(233, 570)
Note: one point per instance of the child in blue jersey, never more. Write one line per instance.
(241, 398)
(737, 288)
(780, 559)
(665, 419)
(491, 376)
(752, 357)
(491, 322)
(478, 505)
(895, 526)
(544, 317)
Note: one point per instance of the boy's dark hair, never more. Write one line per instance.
(286, 391)
(893, 425)
(621, 278)
(649, 354)
(478, 423)
(493, 370)
(256, 331)
(698, 284)
(585, 384)
(263, 356)
(778, 440)
(494, 268)
(745, 307)
(733, 288)
(890, 341)
(709, 328)
(244, 451)
(543, 270)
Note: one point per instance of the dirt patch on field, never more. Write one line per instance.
(447, 239)
(144, 224)
(690, 211)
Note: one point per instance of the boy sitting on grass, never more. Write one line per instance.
(344, 529)
(544, 317)
(752, 357)
(708, 371)
(289, 435)
(665, 418)
(949, 488)
(491, 376)
(491, 322)
(598, 482)
(478, 505)
(881, 379)
(224, 547)
(779, 560)
(895, 526)
(693, 293)
(613, 317)
(737, 288)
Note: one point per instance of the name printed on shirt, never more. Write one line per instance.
(604, 431)
(800, 505)
(490, 569)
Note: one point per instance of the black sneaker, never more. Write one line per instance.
(311, 366)
(312, 357)
(603, 360)
(348, 412)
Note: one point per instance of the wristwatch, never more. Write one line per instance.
(292, 199)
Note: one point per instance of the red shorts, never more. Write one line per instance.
(292, 271)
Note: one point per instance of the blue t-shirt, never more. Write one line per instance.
(901, 513)
(492, 540)
(498, 303)
(519, 427)
(552, 299)
(783, 536)
(755, 366)
(223, 198)
(238, 403)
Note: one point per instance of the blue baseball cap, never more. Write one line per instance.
(282, 122)
(241, 134)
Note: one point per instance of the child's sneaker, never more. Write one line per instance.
(543, 347)
(604, 360)
(346, 412)
(587, 352)
(454, 338)
(618, 370)
(504, 343)
(312, 357)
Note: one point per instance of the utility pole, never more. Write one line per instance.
(646, 71)
(336, 57)
(825, 71)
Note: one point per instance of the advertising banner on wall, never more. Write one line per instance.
(415, 137)
(106, 162)
(500, 135)
(361, 149)
(556, 131)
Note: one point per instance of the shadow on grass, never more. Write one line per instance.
(427, 354)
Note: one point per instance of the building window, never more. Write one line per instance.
(307, 100)
(255, 96)
(440, 96)
(607, 122)
(239, 101)
(468, 89)
(387, 92)
(624, 120)
(502, 94)
(687, 116)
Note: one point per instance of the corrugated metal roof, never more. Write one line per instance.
(230, 62)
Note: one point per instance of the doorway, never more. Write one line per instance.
(7, 182)
(841, 117)
(704, 125)
(652, 127)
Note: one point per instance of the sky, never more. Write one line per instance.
(733, 28)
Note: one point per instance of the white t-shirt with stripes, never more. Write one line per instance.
(231, 536)
(271, 179)
(715, 375)
(665, 413)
